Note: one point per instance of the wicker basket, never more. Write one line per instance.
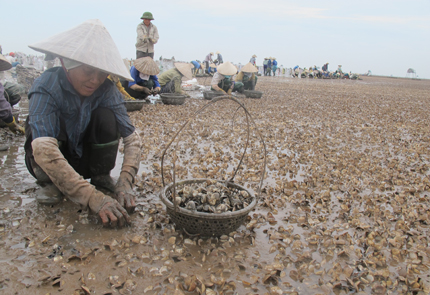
(210, 94)
(207, 224)
(253, 93)
(134, 105)
(172, 98)
(202, 223)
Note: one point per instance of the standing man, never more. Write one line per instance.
(269, 66)
(147, 36)
(265, 62)
(208, 59)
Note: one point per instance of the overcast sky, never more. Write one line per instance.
(384, 36)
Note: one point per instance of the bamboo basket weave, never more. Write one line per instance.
(203, 223)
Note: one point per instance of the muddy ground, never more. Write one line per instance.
(344, 207)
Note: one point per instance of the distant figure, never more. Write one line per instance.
(218, 60)
(253, 60)
(265, 62)
(208, 60)
(147, 36)
(197, 66)
(269, 66)
(325, 67)
(274, 66)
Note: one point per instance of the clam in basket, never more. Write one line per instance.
(214, 223)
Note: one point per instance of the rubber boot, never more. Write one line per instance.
(48, 194)
(102, 161)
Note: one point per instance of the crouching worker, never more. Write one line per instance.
(223, 80)
(145, 81)
(171, 80)
(6, 104)
(247, 76)
(76, 118)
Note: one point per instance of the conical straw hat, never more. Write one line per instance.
(4, 64)
(146, 65)
(212, 65)
(254, 55)
(184, 68)
(89, 43)
(249, 68)
(227, 68)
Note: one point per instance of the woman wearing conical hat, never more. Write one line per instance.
(253, 60)
(5, 107)
(223, 79)
(145, 81)
(171, 80)
(76, 118)
(247, 76)
(208, 60)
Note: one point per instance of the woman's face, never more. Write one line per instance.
(86, 79)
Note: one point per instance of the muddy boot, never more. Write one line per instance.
(103, 157)
(49, 194)
(3, 147)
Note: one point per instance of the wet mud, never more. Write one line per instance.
(344, 207)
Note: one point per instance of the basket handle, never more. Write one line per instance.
(248, 118)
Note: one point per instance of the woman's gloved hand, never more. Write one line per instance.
(146, 90)
(15, 128)
(113, 214)
(124, 193)
(126, 200)
(157, 90)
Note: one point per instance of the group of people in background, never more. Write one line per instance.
(145, 70)
(270, 66)
(323, 73)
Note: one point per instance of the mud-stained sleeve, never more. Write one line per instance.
(130, 165)
(49, 157)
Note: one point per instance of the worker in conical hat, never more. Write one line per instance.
(171, 80)
(145, 81)
(253, 60)
(76, 118)
(223, 79)
(247, 76)
(5, 106)
(208, 60)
